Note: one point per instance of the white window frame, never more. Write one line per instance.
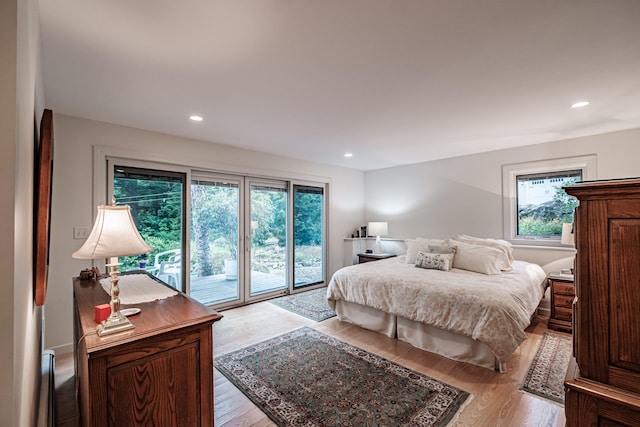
(587, 164)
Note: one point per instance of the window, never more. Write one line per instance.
(534, 204)
(542, 204)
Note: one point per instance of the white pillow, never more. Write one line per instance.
(433, 261)
(419, 244)
(441, 249)
(502, 245)
(479, 258)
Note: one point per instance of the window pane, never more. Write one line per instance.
(308, 232)
(214, 241)
(156, 201)
(268, 239)
(542, 203)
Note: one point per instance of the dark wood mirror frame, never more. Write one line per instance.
(44, 173)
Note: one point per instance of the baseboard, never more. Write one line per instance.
(544, 312)
(64, 348)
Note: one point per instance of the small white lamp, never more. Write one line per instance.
(114, 234)
(567, 234)
(378, 229)
(567, 238)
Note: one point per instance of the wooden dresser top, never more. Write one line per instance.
(155, 318)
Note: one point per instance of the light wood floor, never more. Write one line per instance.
(496, 399)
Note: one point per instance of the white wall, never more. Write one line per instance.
(73, 203)
(464, 195)
(20, 105)
(9, 144)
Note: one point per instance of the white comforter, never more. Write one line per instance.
(492, 309)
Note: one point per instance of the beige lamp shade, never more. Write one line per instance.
(378, 229)
(567, 234)
(114, 234)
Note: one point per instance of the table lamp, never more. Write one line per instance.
(378, 229)
(567, 238)
(114, 234)
(567, 234)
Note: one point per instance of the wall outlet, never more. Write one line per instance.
(80, 232)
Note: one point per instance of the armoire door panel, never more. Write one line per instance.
(624, 292)
(603, 382)
(592, 355)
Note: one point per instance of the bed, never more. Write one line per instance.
(464, 315)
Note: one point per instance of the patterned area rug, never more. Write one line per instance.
(311, 304)
(546, 373)
(307, 378)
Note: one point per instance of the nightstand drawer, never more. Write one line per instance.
(362, 258)
(562, 288)
(564, 313)
(565, 301)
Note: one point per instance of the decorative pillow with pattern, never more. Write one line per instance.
(434, 261)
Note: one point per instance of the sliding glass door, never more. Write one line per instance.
(308, 235)
(267, 260)
(157, 205)
(238, 239)
(226, 239)
(215, 239)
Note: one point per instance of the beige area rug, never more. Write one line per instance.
(545, 377)
(310, 304)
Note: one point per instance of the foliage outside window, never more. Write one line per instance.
(534, 205)
(308, 235)
(155, 198)
(542, 204)
(214, 225)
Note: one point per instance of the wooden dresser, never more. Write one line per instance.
(603, 382)
(160, 373)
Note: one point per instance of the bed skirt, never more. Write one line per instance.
(420, 335)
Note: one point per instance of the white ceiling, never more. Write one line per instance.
(392, 81)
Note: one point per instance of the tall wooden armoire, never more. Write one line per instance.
(602, 387)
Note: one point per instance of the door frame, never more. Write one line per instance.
(274, 183)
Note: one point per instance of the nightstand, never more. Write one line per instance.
(562, 295)
(362, 258)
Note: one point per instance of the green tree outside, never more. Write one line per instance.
(547, 219)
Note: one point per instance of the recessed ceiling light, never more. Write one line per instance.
(196, 118)
(580, 104)
(348, 155)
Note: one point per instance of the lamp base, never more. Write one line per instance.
(113, 324)
(377, 247)
(116, 322)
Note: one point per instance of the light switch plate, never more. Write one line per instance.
(80, 232)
